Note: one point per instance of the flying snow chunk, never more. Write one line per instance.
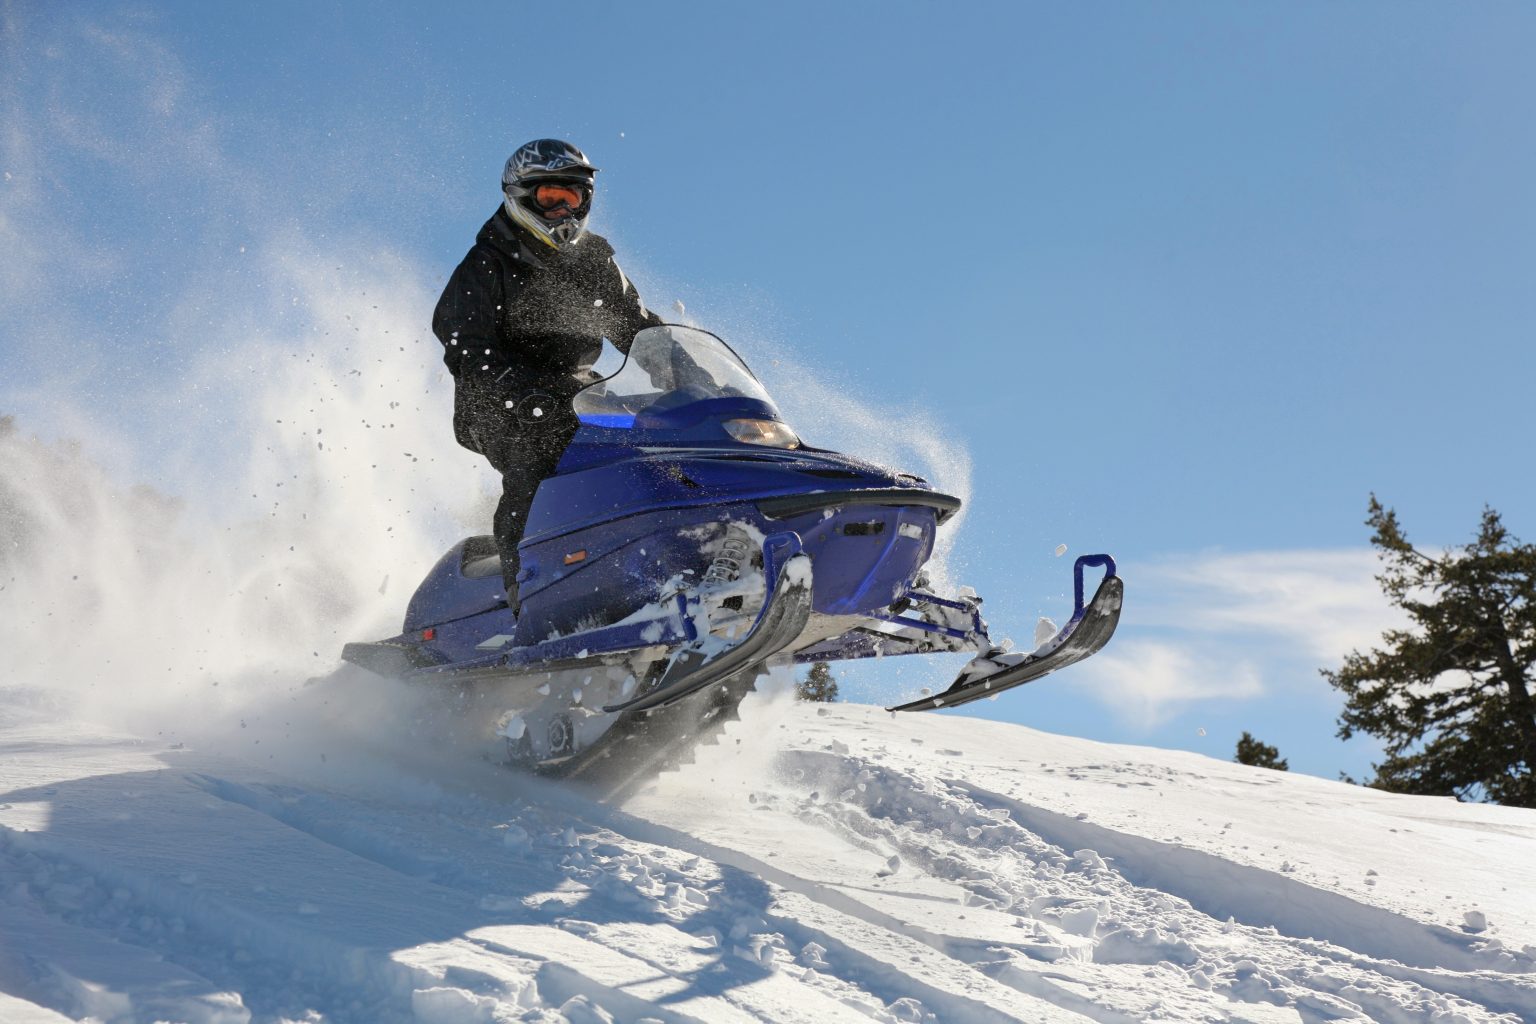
(1081, 920)
(444, 1003)
(515, 836)
(1089, 859)
(581, 1010)
(1061, 549)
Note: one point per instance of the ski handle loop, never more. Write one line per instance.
(1086, 561)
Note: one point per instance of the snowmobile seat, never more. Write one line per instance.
(481, 558)
(465, 581)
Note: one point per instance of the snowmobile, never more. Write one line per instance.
(688, 541)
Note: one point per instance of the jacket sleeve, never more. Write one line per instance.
(632, 315)
(466, 315)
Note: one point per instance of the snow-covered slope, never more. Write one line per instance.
(822, 863)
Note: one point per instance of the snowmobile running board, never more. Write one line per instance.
(785, 612)
(1085, 634)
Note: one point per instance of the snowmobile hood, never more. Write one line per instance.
(656, 436)
(609, 483)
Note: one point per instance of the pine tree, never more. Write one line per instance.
(1259, 755)
(1451, 697)
(818, 684)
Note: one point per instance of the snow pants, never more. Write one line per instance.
(523, 453)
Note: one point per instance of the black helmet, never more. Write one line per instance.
(548, 185)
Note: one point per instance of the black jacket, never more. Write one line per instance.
(518, 315)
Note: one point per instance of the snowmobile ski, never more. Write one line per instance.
(1085, 634)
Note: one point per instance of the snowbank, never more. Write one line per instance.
(827, 863)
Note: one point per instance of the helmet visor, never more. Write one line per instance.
(554, 195)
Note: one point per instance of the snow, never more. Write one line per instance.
(820, 863)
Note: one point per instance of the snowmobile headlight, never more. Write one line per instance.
(765, 432)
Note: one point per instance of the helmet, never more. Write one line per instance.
(548, 186)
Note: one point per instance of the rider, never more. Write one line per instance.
(528, 308)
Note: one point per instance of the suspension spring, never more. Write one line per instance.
(733, 552)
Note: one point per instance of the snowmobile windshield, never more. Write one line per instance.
(669, 369)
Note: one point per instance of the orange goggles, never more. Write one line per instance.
(554, 196)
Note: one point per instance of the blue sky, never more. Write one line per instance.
(1181, 282)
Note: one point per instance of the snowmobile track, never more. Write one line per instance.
(661, 740)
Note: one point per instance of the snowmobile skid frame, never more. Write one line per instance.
(671, 623)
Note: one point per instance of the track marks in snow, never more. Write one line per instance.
(740, 911)
(802, 885)
(714, 943)
(70, 961)
(1012, 933)
(1051, 873)
(724, 937)
(297, 925)
(1325, 924)
(1250, 895)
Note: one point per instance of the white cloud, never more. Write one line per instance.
(1320, 603)
(1145, 682)
(1236, 626)
(85, 108)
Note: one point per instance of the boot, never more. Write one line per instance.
(509, 571)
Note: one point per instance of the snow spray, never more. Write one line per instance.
(187, 540)
(317, 481)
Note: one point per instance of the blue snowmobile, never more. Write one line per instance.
(688, 541)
